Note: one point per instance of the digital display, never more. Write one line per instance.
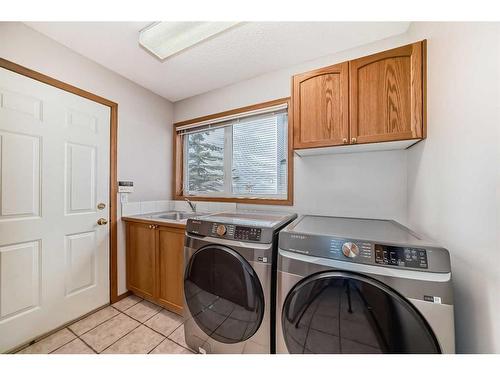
(401, 256)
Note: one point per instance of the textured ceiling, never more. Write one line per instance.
(243, 52)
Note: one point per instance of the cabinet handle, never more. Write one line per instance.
(353, 140)
(344, 140)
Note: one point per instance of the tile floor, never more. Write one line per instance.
(130, 326)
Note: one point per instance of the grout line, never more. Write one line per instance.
(182, 346)
(140, 300)
(148, 319)
(100, 324)
(168, 337)
(121, 337)
(76, 338)
(91, 348)
(73, 332)
(104, 321)
(131, 317)
(151, 328)
(59, 347)
(157, 345)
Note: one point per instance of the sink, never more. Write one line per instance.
(176, 215)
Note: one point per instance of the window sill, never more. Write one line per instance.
(270, 201)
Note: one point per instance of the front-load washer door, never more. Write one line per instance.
(223, 294)
(344, 312)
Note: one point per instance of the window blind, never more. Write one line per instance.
(230, 119)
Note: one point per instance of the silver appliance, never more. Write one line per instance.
(348, 285)
(229, 277)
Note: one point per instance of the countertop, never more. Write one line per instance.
(150, 219)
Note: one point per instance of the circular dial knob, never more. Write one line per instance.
(221, 230)
(350, 249)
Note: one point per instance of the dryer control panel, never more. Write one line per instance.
(359, 251)
(367, 252)
(401, 256)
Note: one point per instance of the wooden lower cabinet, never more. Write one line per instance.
(155, 263)
(170, 258)
(141, 259)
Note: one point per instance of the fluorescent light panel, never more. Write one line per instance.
(165, 39)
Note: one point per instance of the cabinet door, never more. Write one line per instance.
(171, 268)
(141, 261)
(386, 95)
(320, 107)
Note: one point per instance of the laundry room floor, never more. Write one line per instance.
(130, 326)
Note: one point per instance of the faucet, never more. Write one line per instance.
(191, 204)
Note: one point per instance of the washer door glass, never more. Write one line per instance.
(343, 312)
(223, 294)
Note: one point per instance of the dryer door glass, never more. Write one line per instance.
(223, 294)
(342, 312)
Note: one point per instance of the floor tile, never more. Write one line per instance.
(165, 322)
(140, 341)
(143, 311)
(76, 346)
(92, 321)
(109, 332)
(178, 336)
(50, 343)
(127, 302)
(170, 347)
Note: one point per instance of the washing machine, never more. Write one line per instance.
(229, 281)
(349, 285)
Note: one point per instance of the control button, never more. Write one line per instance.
(221, 230)
(350, 249)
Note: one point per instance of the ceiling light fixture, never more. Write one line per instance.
(164, 39)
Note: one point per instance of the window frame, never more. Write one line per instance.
(179, 159)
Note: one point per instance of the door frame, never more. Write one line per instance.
(113, 273)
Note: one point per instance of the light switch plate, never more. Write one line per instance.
(125, 186)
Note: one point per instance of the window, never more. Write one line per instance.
(241, 156)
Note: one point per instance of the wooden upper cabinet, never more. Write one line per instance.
(141, 259)
(171, 268)
(320, 107)
(386, 95)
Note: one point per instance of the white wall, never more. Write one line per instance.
(453, 177)
(144, 118)
(363, 184)
(446, 187)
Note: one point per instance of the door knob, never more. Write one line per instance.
(353, 140)
(102, 221)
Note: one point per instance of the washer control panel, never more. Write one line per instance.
(235, 232)
(227, 231)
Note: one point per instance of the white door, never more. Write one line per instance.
(54, 172)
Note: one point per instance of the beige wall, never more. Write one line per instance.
(453, 177)
(144, 118)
